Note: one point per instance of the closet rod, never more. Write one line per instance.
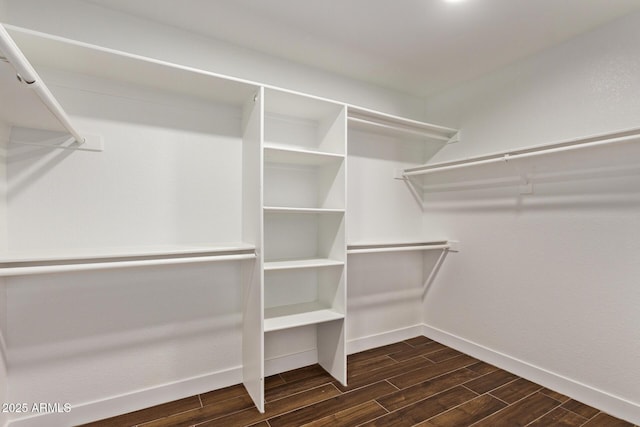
(65, 268)
(27, 75)
(414, 248)
(401, 129)
(596, 141)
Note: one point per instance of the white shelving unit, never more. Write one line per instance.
(304, 221)
(285, 152)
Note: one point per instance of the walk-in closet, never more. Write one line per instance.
(283, 213)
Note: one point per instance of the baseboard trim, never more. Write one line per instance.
(305, 358)
(290, 361)
(600, 399)
(133, 401)
(383, 338)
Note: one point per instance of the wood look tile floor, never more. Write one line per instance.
(417, 382)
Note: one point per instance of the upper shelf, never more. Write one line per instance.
(49, 51)
(369, 120)
(44, 50)
(26, 100)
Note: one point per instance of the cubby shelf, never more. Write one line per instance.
(298, 156)
(283, 209)
(301, 263)
(293, 316)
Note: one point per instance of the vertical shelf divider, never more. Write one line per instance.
(252, 225)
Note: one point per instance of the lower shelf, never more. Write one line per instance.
(292, 316)
(301, 263)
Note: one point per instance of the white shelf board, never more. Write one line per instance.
(277, 153)
(45, 50)
(292, 316)
(284, 209)
(369, 120)
(301, 263)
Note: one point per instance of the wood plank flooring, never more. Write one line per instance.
(417, 382)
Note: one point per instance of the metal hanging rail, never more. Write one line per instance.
(588, 142)
(34, 268)
(367, 248)
(27, 75)
(386, 123)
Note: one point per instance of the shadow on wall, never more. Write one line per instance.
(70, 315)
(386, 289)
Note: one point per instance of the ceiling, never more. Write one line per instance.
(415, 46)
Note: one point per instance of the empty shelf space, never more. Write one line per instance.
(283, 209)
(300, 263)
(24, 263)
(292, 316)
(276, 153)
(373, 247)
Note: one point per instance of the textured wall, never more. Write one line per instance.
(548, 278)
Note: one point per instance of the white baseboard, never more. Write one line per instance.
(383, 338)
(602, 400)
(289, 362)
(298, 360)
(133, 401)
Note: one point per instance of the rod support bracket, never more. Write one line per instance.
(398, 173)
(454, 245)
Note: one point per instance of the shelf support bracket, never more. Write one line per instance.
(455, 138)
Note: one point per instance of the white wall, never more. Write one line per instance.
(169, 166)
(155, 334)
(549, 279)
(4, 140)
(95, 24)
(4, 382)
(5, 131)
